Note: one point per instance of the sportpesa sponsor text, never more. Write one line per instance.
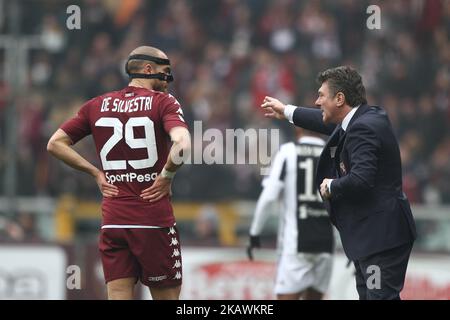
(130, 177)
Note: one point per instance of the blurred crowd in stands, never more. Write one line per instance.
(226, 56)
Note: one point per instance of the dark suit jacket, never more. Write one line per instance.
(367, 204)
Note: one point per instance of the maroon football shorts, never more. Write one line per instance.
(152, 255)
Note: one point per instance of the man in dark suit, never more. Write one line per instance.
(361, 174)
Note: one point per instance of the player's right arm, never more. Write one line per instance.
(179, 152)
(181, 148)
(175, 126)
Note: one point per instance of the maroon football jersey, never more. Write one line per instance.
(130, 129)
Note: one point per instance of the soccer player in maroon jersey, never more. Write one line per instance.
(133, 129)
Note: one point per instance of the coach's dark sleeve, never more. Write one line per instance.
(311, 119)
(363, 146)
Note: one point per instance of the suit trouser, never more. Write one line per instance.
(381, 276)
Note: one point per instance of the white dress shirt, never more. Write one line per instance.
(289, 114)
(344, 126)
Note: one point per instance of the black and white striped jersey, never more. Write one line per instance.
(304, 223)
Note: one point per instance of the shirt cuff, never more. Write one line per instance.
(289, 112)
(329, 185)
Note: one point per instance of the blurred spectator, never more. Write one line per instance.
(10, 231)
(27, 222)
(205, 230)
(227, 55)
(21, 229)
(207, 226)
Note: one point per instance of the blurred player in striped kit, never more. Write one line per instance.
(305, 236)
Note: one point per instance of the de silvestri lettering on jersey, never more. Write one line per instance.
(130, 128)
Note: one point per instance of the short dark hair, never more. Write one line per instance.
(346, 80)
(135, 65)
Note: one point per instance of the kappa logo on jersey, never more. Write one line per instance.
(175, 253)
(177, 275)
(179, 111)
(174, 242)
(180, 114)
(177, 264)
(172, 230)
(175, 99)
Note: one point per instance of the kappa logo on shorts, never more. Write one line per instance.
(177, 275)
(177, 264)
(172, 230)
(158, 278)
(174, 242)
(176, 252)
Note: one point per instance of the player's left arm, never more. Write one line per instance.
(59, 146)
(180, 151)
